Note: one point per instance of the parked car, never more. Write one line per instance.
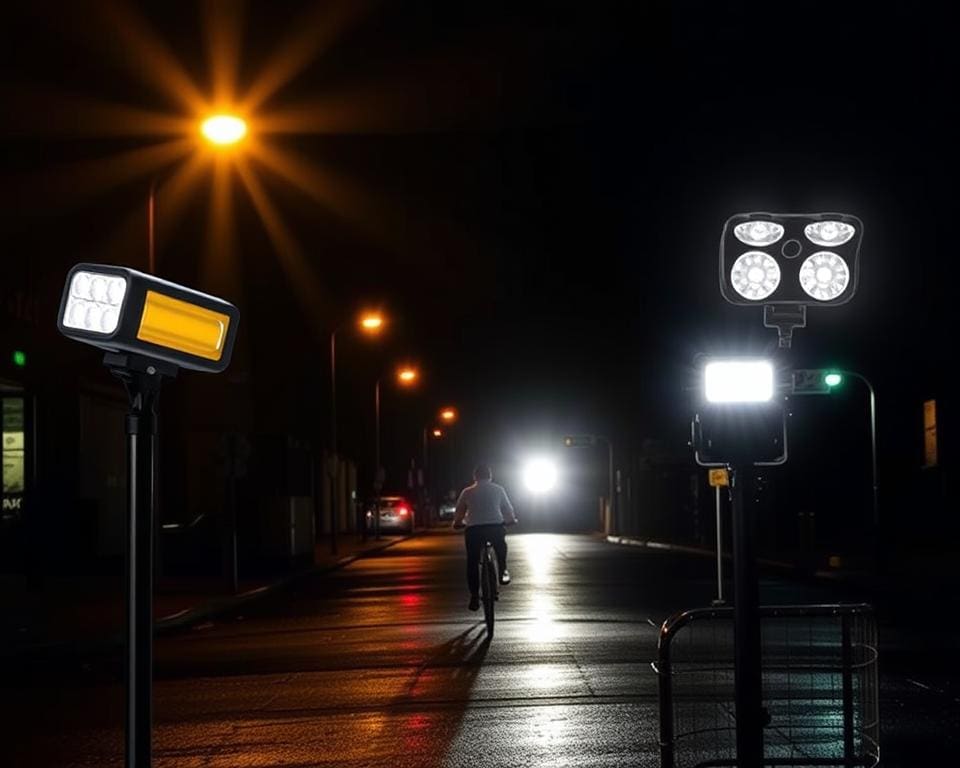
(396, 514)
(447, 510)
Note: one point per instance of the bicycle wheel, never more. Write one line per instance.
(488, 587)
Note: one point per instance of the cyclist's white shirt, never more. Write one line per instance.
(483, 503)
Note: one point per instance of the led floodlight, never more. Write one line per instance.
(765, 258)
(738, 381)
(122, 310)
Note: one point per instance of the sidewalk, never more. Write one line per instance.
(77, 614)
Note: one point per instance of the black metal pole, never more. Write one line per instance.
(747, 661)
(847, 684)
(377, 480)
(334, 469)
(144, 390)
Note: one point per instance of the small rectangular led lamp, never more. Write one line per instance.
(809, 259)
(123, 310)
(738, 381)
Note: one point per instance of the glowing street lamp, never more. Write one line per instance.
(407, 376)
(370, 324)
(448, 415)
(149, 328)
(223, 130)
(437, 433)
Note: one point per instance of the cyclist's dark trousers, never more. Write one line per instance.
(475, 537)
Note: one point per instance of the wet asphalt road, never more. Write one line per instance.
(380, 664)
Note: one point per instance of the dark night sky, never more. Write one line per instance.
(542, 188)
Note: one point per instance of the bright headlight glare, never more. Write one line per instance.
(95, 302)
(540, 475)
(755, 275)
(829, 232)
(758, 232)
(738, 381)
(824, 276)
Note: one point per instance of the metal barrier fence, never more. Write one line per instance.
(820, 691)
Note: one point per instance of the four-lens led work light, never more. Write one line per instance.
(786, 262)
(128, 312)
(149, 328)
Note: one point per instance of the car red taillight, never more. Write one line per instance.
(404, 511)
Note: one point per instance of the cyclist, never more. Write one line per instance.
(484, 509)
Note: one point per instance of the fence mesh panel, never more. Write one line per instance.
(819, 687)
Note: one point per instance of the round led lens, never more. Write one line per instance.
(824, 276)
(116, 292)
(81, 285)
(108, 320)
(98, 289)
(829, 232)
(92, 319)
(755, 275)
(758, 232)
(76, 313)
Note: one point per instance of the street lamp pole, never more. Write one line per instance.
(334, 459)
(873, 441)
(376, 469)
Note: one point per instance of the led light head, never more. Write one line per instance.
(122, 310)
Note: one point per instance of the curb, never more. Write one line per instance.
(711, 553)
(188, 616)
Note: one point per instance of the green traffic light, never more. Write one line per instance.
(832, 379)
(19, 358)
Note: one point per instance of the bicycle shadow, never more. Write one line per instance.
(434, 702)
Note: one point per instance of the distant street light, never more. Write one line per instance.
(438, 433)
(448, 415)
(370, 323)
(150, 328)
(407, 376)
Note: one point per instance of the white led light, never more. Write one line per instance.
(758, 232)
(755, 275)
(829, 232)
(540, 475)
(738, 381)
(95, 302)
(824, 276)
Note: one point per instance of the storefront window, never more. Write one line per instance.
(14, 467)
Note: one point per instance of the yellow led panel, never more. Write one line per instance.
(185, 327)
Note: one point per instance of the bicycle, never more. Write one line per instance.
(489, 580)
(489, 585)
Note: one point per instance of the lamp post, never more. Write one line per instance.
(149, 329)
(371, 324)
(740, 420)
(407, 376)
(221, 131)
(833, 379)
